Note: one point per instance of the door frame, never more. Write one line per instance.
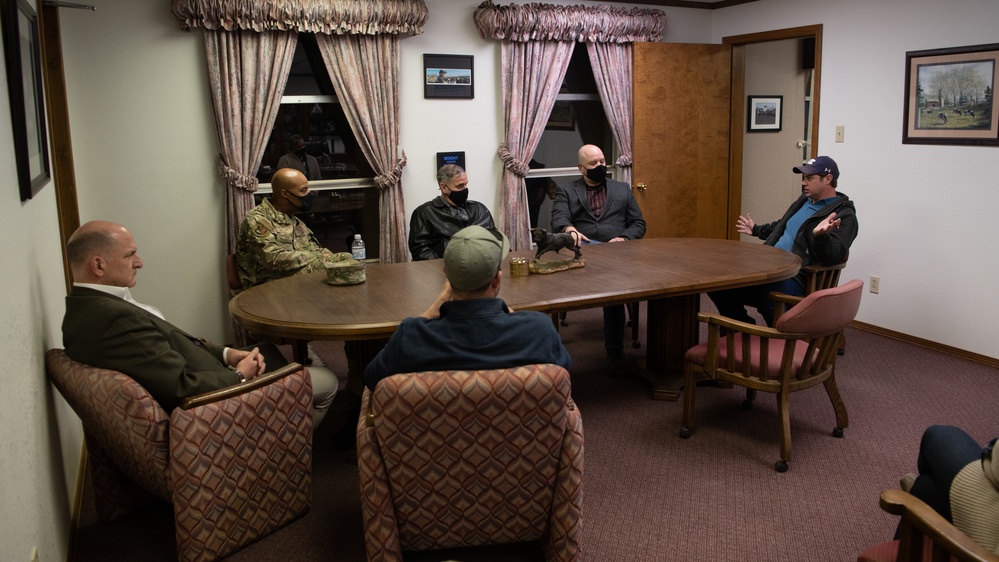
(738, 107)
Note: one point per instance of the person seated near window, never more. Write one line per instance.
(298, 159)
(960, 480)
(106, 328)
(273, 242)
(434, 222)
(469, 327)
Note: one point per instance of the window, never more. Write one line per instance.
(347, 202)
(577, 119)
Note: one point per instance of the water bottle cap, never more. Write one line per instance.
(357, 237)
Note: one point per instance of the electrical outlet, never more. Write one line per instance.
(875, 284)
(840, 132)
(34, 554)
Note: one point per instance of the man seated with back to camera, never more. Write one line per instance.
(595, 208)
(106, 328)
(468, 327)
(818, 227)
(434, 222)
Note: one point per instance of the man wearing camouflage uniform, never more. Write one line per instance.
(273, 243)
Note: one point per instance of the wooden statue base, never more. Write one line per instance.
(553, 266)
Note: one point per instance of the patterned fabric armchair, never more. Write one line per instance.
(235, 463)
(465, 458)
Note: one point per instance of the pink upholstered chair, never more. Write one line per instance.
(236, 463)
(465, 458)
(799, 352)
(925, 536)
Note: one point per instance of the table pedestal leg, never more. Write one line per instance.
(671, 330)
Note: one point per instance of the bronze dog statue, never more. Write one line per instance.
(553, 242)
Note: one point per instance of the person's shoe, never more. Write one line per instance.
(906, 482)
(615, 354)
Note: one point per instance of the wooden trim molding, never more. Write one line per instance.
(928, 344)
(60, 141)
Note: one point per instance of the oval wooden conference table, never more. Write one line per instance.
(670, 273)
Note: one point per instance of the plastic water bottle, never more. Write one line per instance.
(357, 248)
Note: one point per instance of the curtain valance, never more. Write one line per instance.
(330, 17)
(541, 22)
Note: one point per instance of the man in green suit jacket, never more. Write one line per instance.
(105, 327)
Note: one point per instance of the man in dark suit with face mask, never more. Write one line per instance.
(435, 222)
(597, 209)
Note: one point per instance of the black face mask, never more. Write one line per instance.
(458, 197)
(598, 174)
(304, 203)
(300, 154)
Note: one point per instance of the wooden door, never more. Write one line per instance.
(682, 109)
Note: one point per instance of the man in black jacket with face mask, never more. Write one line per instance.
(434, 222)
(597, 209)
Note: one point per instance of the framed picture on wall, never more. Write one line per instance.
(27, 107)
(765, 114)
(949, 96)
(448, 76)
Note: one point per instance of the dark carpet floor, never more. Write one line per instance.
(650, 495)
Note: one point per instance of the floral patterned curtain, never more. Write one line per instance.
(365, 74)
(526, 87)
(241, 36)
(245, 110)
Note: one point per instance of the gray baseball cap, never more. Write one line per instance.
(473, 256)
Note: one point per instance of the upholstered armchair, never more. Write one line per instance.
(924, 536)
(466, 458)
(236, 463)
(798, 353)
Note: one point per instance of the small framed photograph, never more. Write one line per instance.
(949, 96)
(448, 76)
(21, 44)
(765, 114)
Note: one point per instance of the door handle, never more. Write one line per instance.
(641, 187)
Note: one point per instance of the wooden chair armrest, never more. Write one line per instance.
(737, 326)
(817, 268)
(927, 521)
(238, 389)
(785, 299)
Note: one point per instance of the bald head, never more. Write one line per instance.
(590, 155)
(103, 253)
(288, 186)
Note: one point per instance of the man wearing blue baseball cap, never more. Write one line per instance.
(818, 227)
(469, 327)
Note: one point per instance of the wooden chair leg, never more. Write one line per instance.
(842, 418)
(783, 411)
